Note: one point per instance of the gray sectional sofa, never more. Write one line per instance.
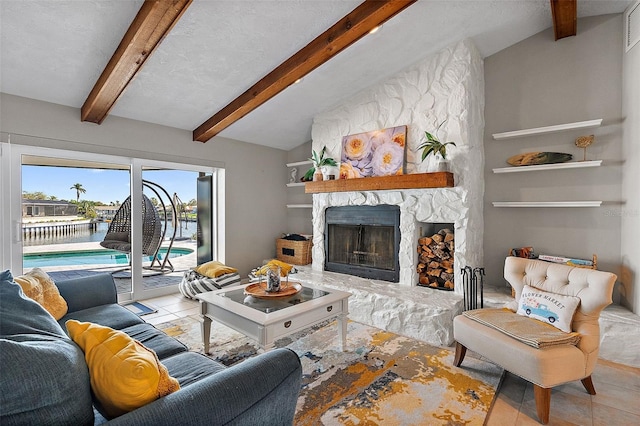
(45, 380)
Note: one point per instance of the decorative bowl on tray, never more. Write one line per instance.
(259, 290)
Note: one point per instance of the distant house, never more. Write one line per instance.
(40, 208)
(106, 212)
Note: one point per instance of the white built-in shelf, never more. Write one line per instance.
(299, 206)
(547, 203)
(548, 129)
(299, 163)
(556, 166)
(295, 184)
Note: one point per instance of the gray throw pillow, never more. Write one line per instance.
(45, 379)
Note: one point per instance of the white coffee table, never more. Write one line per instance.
(267, 320)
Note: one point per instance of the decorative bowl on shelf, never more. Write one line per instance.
(538, 158)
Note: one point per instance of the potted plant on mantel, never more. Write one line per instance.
(434, 146)
(319, 161)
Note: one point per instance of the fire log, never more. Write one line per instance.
(436, 264)
(424, 241)
(434, 272)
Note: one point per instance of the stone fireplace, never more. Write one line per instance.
(441, 205)
(449, 87)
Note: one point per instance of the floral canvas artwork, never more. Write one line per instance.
(377, 153)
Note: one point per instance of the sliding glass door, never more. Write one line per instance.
(73, 214)
(172, 190)
(68, 207)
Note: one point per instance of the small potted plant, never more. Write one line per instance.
(434, 146)
(319, 161)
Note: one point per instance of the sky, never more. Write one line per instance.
(104, 185)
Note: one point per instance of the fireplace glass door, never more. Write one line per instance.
(362, 245)
(363, 241)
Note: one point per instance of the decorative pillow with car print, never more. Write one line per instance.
(551, 308)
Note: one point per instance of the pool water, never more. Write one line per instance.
(90, 257)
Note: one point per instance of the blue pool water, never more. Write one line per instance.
(90, 257)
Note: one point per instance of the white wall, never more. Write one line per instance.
(630, 251)
(540, 82)
(255, 175)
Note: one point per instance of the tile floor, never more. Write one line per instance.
(170, 307)
(616, 404)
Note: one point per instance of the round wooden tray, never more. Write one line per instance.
(259, 290)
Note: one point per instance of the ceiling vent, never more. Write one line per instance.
(632, 26)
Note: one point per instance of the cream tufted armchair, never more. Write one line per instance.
(547, 367)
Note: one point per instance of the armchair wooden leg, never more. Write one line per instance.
(461, 351)
(543, 403)
(588, 385)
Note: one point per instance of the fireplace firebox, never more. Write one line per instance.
(363, 241)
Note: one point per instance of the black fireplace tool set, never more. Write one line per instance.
(471, 279)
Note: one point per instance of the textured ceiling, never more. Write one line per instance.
(55, 50)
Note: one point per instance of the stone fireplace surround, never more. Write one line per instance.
(447, 86)
(405, 308)
(438, 205)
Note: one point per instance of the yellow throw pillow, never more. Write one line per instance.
(214, 269)
(124, 373)
(37, 285)
(285, 268)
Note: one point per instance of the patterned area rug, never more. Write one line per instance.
(381, 379)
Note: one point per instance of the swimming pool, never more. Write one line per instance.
(90, 257)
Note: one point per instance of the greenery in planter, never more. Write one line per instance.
(433, 145)
(318, 162)
(308, 177)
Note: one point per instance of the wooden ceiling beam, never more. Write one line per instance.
(341, 35)
(565, 18)
(152, 23)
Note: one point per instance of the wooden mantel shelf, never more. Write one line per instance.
(412, 181)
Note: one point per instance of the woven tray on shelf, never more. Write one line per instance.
(293, 252)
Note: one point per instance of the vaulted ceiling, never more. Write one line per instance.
(56, 51)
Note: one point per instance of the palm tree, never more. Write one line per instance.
(79, 190)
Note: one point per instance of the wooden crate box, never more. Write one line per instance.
(293, 252)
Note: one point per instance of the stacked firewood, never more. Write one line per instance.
(435, 260)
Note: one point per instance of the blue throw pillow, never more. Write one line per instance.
(21, 315)
(45, 379)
